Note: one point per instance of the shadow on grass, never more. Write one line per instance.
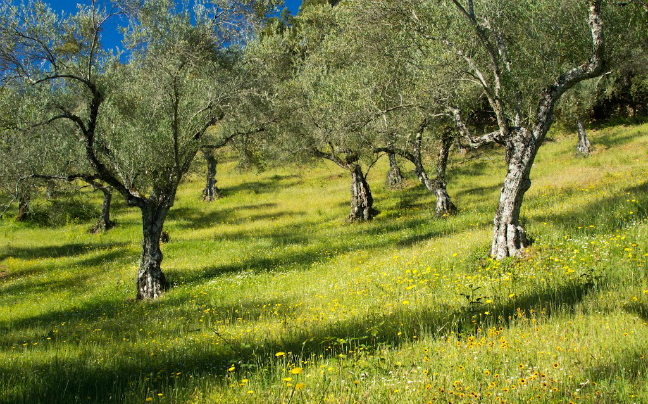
(83, 377)
(270, 185)
(257, 264)
(631, 367)
(479, 190)
(411, 198)
(611, 141)
(59, 251)
(12, 293)
(187, 218)
(640, 309)
(598, 213)
(472, 168)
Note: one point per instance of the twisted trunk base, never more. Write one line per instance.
(509, 237)
(361, 198)
(583, 147)
(444, 205)
(104, 222)
(151, 282)
(211, 192)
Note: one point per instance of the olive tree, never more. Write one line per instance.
(323, 98)
(137, 126)
(524, 56)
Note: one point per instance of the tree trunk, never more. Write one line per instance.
(444, 205)
(151, 282)
(509, 238)
(23, 207)
(104, 222)
(394, 176)
(361, 199)
(584, 148)
(211, 192)
(522, 144)
(421, 174)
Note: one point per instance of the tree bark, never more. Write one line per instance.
(444, 205)
(419, 170)
(361, 198)
(584, 148)
(23, 207)
(104, 222)
(151, 282)
(211, 192)
(394, 175)
(509, 238)
(522, 144)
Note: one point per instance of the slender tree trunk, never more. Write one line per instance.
(394, 176)
(151, 282)
(211, 192)
(23, 207)
(104, 222)
(361, 198)
(584, 148)
(444, 205)
(509, 238)
(422, 176)
(419, 170)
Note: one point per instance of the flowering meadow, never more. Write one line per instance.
(274, 298)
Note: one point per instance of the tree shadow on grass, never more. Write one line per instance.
(270, 185)
(83, 377)
(472, 168)
(640, 309)
(479, 190)
(58, 251)
(617, 140)
(257, 264)
(13, 292)
(598, 213)
(187, 218)
(631, 367)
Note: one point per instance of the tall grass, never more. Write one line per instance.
(275, 298)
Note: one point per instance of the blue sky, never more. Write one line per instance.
(111, 37)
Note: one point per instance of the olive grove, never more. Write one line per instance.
(134, 126)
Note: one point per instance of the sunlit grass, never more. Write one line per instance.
(275, 298)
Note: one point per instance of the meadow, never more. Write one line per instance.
(274, 298)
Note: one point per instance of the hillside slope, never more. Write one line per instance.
(276, 299)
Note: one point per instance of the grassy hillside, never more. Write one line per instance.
(276, 299)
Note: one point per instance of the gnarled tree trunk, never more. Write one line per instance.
(509, 238)
(361, 198)
(417, 160)
(444, 205)
(394, 176)
(211, 192)
(151, 282)
(583, 147)
(23, 207)
(104, 222)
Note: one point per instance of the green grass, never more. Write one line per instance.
(275, 298)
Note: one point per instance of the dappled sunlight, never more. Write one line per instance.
(273, 295)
